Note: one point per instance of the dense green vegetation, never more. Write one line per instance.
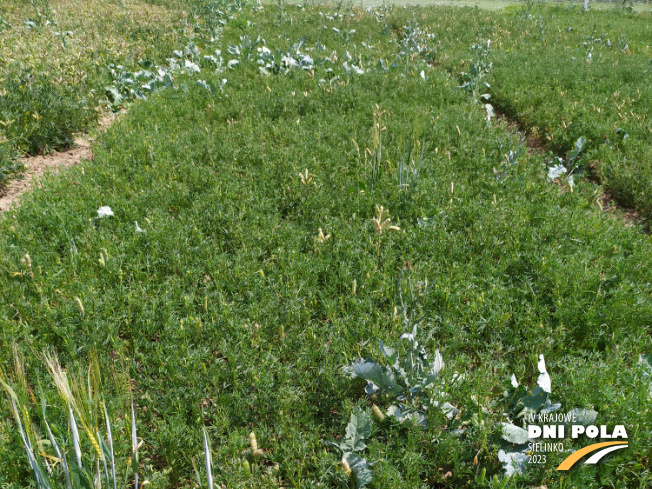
(564, 74)
(54, 60)
(241, 270)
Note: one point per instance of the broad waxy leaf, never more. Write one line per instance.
(114, 95)
(513, 462)
(490, 111)
(544, 379)
(556, 171)
(535, 402)
(436, 367)
(359, 468)
(583, 416)
(550, 408)
(358, 429)
(389, 353)
(514, 434)
(402, 415)
(380, 378)
(646, 361)
(449, 410)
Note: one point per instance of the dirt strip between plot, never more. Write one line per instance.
(37, 166)
(606, 201)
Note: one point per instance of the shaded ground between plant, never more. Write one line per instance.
(606, 201)
(37, 166)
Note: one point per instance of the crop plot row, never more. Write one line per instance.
(563, 74)
(54, 60)
(315, 257)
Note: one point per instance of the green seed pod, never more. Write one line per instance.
(247, 469)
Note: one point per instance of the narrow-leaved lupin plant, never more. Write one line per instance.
(381, 223)
(321, 237)
(305, 177)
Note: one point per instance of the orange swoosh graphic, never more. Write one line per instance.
(570, 461)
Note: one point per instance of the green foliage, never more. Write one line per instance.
(225, 301)
(529, 408)
(8, 163)
(357, 431)
(582, 76)
(56, 63)
(408, 171)
(49, 456)
(563, 171)
(475, 80)
(413, 380)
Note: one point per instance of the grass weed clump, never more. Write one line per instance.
(56, 458)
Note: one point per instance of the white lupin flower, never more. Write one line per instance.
(544, 379)
(104, 211)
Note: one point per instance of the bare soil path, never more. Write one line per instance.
(37, 166)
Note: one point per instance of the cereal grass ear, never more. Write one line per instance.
(60, 379)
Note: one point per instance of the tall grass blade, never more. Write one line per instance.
(194, 467)
(207, 460)
(60, 455)
(134, 445)
(41, 479)
(105, 451)
(110, 440)
(75, 436)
